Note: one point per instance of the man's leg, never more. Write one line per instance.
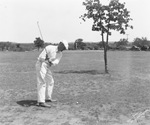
(50, 85)
(41, 70)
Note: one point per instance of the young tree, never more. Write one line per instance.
(38, 43)
(106, 18)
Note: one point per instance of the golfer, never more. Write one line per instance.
(50, 56)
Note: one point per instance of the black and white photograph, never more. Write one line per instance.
(74, 62)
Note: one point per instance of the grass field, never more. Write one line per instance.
(116, 98)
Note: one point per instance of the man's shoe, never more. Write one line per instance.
(51, 100)
(42, 104)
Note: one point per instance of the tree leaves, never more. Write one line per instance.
(107, 17)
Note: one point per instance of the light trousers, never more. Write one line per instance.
(45, 81)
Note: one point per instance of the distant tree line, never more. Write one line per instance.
(138, 44)
(12, 46)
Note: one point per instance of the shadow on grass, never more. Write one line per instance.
(27, 103)
(91, 72)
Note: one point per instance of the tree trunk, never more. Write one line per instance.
(105, 52)
(106, 48)
(105, 57)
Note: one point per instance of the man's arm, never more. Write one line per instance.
(56, 60)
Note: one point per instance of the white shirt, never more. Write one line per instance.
(53, 55)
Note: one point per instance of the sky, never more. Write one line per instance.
(59, 20)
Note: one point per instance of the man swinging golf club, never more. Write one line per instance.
(50, 56)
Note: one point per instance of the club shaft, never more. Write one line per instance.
(40, 30)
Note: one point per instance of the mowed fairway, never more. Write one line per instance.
(85, 94)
